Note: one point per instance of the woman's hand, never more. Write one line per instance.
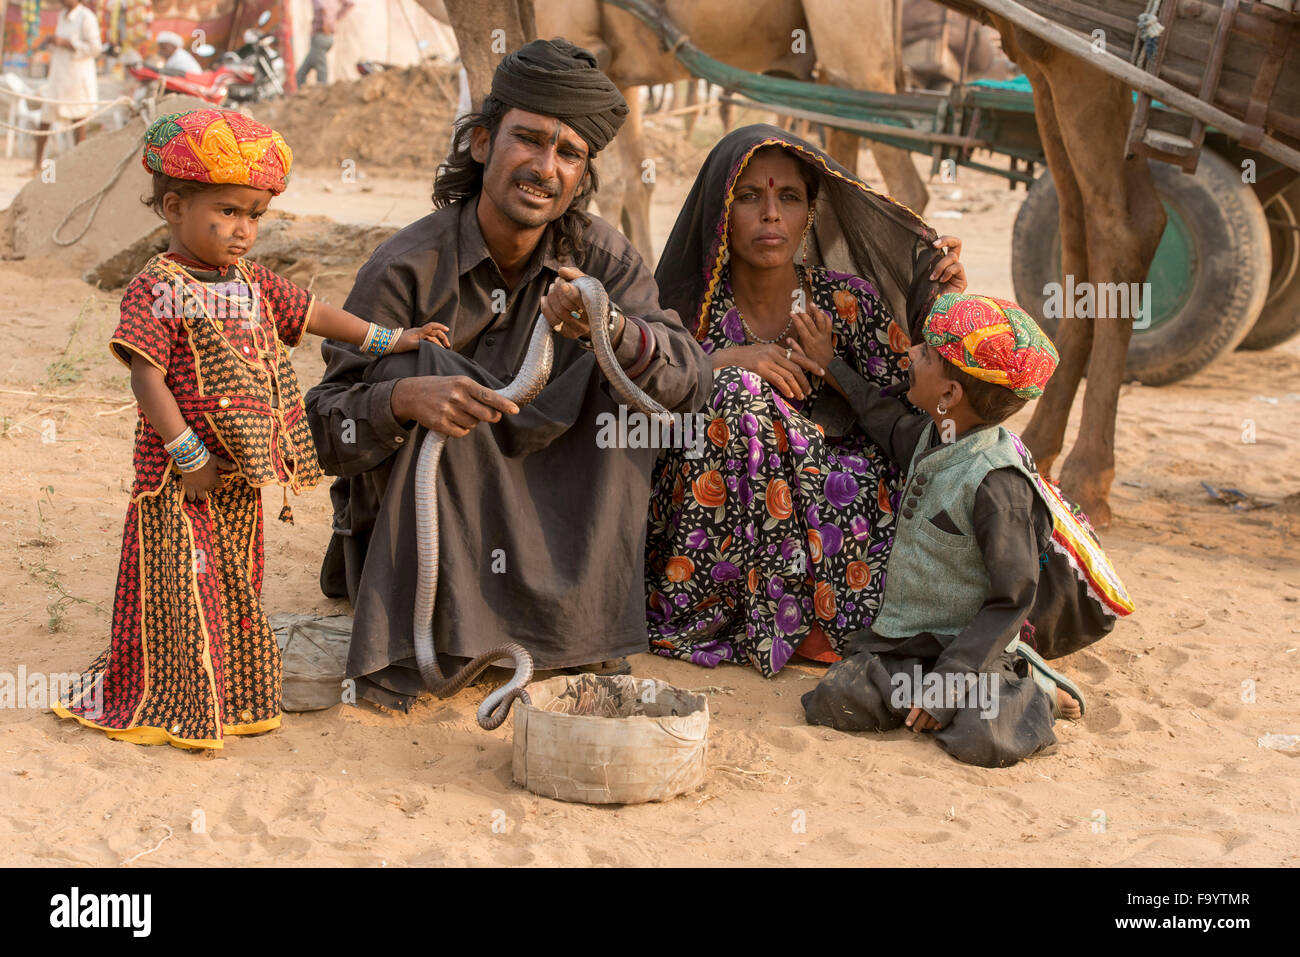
(780, 365)
(949, 271)
(816, 336)
(410, 339)
(200, 482)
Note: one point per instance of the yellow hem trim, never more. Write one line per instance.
(257, 727)
(149, 735)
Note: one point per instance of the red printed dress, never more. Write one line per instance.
(192, 657)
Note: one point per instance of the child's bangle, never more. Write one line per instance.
(379, 340)
(187, 451)
(195, 463)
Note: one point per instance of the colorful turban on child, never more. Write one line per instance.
(556, 78)
(993, 340)
(218, 146)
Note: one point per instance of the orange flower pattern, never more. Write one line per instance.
(709, 489)
(679, 569)
(778, 498)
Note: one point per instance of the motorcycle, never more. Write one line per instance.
(253, 72)
(260, 53)
(211, 85)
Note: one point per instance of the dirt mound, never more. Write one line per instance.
(314, 251)
(394, 120)
(121, 218)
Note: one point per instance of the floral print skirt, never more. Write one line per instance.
(772, 534)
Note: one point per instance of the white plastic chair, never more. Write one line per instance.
(20, 112)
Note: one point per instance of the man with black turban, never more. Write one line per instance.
(542, 530)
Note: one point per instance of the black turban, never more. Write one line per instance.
(556, 78)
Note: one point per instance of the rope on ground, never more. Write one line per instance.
(135, 857)
(97, 197)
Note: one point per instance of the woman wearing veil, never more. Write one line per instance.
(772, 534)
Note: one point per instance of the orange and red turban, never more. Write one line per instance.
(220, 147)
(993, 340)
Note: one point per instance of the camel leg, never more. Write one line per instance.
(1123, 222)
(1045, 434)
(1089, 469)
(846, 58)
(636, 190)
(903, 181)
(726, 113)
(692, 98)
(844, 147)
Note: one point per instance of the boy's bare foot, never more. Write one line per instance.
(1068, 707)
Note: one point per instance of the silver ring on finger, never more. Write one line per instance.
(788, 350)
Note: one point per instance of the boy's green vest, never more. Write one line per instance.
(936, 580)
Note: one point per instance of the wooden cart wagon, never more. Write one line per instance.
(1217, 87)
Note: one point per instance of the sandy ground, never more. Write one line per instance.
(1164, 769)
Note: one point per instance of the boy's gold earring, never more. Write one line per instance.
(942, 409)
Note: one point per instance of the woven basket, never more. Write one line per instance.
(610, 740)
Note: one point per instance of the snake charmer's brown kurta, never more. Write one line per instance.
(542, 529)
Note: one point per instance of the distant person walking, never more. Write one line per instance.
(325, 14)
(72, 78)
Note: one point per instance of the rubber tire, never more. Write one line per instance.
(1280, 318)
(1231, 241)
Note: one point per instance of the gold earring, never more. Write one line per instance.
(807, 229)
(941, 409)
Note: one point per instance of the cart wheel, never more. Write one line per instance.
(1208, 281)
(1280, 319)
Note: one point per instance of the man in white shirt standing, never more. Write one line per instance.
(172, 49)
(72, 79)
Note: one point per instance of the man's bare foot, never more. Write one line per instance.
(1068, 706)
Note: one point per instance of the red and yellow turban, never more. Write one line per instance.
(218, 146)
(993, 340)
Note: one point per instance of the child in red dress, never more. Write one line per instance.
(206, 335)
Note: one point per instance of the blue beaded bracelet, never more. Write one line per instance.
(379, 340)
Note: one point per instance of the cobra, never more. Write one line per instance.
(532, 376)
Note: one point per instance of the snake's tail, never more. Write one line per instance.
(496, 706)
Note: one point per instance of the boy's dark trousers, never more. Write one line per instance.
(856, 693)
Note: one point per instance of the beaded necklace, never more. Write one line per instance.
(749, 333)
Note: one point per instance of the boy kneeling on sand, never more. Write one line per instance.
(976, 527)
